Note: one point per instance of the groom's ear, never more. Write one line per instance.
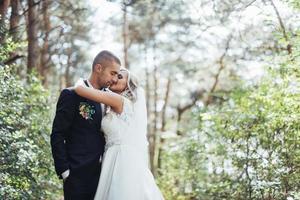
(98, 67)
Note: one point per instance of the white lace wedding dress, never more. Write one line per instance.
(125, 173)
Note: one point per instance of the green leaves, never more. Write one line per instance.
(25, 154)
(246, 148)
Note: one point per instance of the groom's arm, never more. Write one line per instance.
(65, 110)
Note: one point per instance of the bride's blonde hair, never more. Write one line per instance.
(132, 84)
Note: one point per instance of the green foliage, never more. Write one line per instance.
(9, 46)
(262, 131)
(246, 148)
(24, 137)
(26, 170)
(26, 164)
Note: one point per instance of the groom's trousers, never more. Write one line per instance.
(82, 183)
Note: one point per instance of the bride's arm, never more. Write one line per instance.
(114, 100)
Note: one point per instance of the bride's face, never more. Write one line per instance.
(121, 84)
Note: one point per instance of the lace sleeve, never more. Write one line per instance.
(127, 112)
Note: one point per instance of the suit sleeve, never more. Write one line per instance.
(65, 110)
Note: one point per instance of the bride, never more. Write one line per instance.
(125, 174)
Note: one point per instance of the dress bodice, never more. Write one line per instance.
(128, 127)
(114, 125)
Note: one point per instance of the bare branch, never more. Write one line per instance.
(13, 59)
(217, 76)
(289, 46)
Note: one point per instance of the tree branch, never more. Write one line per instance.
(289, 46)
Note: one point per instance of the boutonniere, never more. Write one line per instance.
(86, 110)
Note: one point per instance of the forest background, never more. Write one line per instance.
(222, 82)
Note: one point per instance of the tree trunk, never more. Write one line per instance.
(13, 30)
(32, 30)
(154, 150)
(3, 11)
(14, 19)
(67, 72)
(125, 36)
(45, 56)
(147, 93)
(163, 122)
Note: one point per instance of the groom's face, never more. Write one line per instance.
(108, 74)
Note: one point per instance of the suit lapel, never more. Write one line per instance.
(98, 109)
(86, 83)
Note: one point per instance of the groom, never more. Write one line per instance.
(76, 140)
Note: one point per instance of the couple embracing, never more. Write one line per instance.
(99, 136)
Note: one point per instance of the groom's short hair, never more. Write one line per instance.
(104, 57)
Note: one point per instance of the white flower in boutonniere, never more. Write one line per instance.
(86, 110)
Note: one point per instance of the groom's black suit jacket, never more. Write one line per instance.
(76, 142)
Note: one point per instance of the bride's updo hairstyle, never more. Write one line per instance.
(132, 84)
